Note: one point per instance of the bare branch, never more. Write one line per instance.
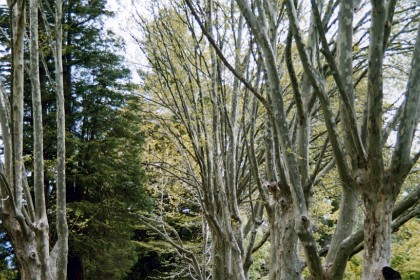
(186, 254)
(223, 58)
(401, 160)
(348, 106)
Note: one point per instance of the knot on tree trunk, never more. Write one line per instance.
(32, 255)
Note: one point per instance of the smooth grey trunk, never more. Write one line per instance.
(61, 215)
(42, 232)
(15, 216)
(349, 196)
(23, 238)
(288, 252)
(377, 234)
(18, 29)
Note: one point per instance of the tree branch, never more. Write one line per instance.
(223, 58)
(348, 107)
(401, 160)
(317, 84)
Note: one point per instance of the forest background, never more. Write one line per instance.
(236, 124)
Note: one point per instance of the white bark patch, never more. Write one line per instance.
(348, 21)
(349, 55)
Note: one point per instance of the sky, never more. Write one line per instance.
(119, 24)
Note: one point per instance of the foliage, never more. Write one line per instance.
(156, 259)
(354, 267)
(260, 268)
(406, 252)
(8, 269)
(104, 174)
(103, 240)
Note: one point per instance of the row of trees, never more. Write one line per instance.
(270, 102)
(272, 127)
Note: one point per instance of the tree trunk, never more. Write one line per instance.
(376, 197)
(377, 234)
(344, 227)
(26, 221)
(227, 261)
(61, 215)
(284, 258)
(25, 249)
(288, 252)
(275, 244)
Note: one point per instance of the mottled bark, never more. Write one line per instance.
(227, 262)
(61, 215)
(376, 197)
(25, 220)
(377, 233)
(288, 253)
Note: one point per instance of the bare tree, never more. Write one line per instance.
(321, 72)
(191, 83)
(363, 168)
(23, 215)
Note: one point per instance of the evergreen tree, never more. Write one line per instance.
(104, 175)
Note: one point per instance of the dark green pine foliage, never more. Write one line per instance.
(104, 174)
(8, 270)
(104, 142)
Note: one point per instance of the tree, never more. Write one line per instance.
(205, 118)
(378, 182)
(339, 91)
(104, 143)
(24, 216)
